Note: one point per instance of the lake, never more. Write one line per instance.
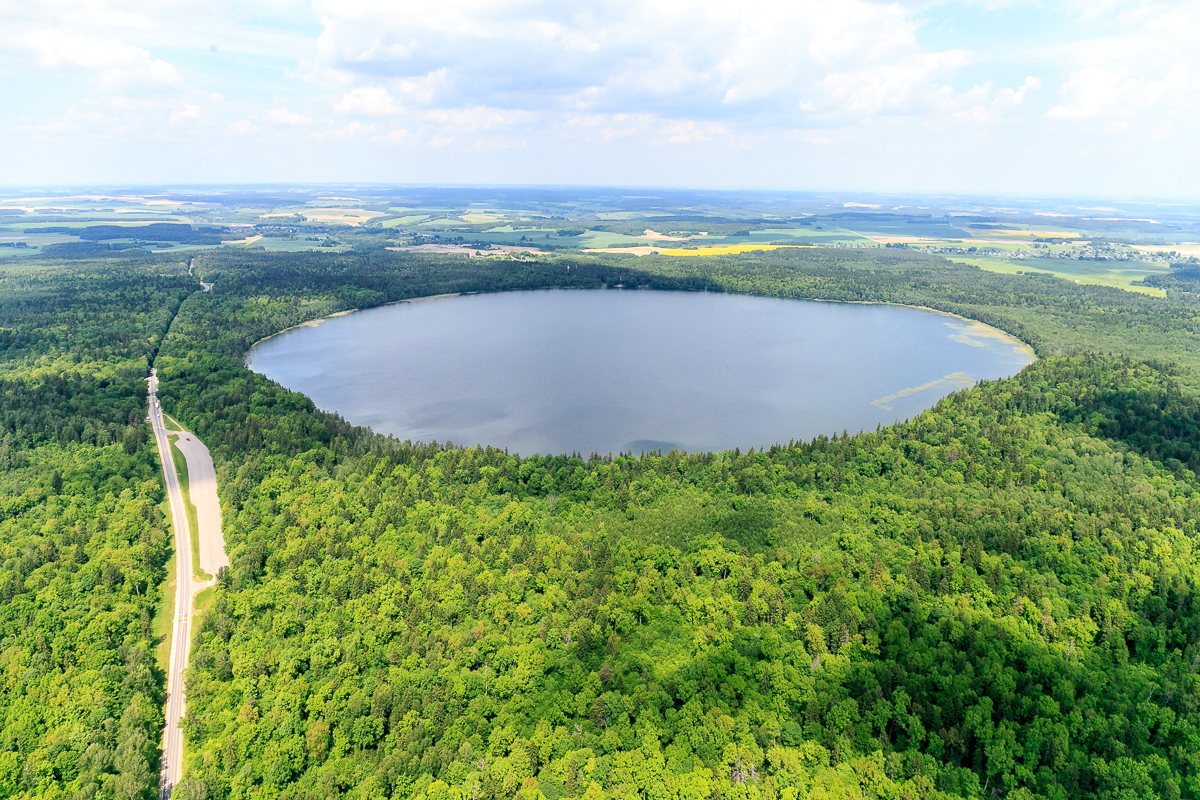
(560, 371)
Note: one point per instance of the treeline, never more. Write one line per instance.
(1132, 402)
(108, 315)
(1183, 277)
(154, 232)
(1053, 315)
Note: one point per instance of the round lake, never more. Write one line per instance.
(560, 371)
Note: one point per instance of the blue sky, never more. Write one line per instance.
(1074, 98)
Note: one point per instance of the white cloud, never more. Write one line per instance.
(692, 131)
(593, 89)
(243, 127)
(611, 127)
(422, 90)
(1095, 92)
(712, 60)
(72, 121)
(283, 116)
(392, 137)
(183, 114)
(892, 86)
(983, 105)
(1089, 9)
(1140, 79)
(374, 101)
(1090, 91)
(478, 118)
(117, 66)
(350, 131)
(1007, 99)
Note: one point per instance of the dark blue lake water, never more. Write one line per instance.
(610, 371)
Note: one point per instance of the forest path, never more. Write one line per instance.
(202, 488)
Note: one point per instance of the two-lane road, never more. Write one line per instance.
(202, 487)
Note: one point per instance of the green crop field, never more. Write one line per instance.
(1121, 275)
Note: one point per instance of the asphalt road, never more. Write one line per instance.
(202, 487)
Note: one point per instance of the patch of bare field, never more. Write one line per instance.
(460, 250)
(348, 216)
(661, 237)
(717, 250)
(639, 250)
(345, 216)
(1124, 219)
(1002, 234)
(1189, 249)
(909, 239)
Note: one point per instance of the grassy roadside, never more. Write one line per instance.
(160, 626)
(181, 470)
(206, 599)
(201, 605)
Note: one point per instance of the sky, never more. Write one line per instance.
(1077, 98)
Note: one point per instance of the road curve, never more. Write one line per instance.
(202, 487)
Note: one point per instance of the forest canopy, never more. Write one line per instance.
(154, 231)
(991, 599)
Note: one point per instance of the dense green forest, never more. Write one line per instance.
(1183, 277)
(154, 231)
(992, 599)
(83, 536)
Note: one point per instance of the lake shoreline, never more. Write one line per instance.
(312, 323)
(540, 371)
